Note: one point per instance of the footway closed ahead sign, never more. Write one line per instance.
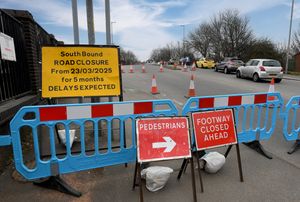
(162, 138)
(76, 71)
(214, 128)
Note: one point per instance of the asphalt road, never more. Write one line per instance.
(174, 84)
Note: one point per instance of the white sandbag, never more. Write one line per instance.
(156, 177)
(62, 136)
(214, 161)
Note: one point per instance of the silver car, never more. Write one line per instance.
(228, 65)
(261, 69)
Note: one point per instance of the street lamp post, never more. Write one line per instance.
(183, 38)
(289, 40)
(112, 33)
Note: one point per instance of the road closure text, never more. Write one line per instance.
(214, 128)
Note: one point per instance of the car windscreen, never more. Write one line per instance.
(238, 61)
(271, 63)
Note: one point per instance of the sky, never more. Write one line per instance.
(143, 25)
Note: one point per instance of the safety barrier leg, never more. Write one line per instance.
(259, 148)
(57, 183)
(294, 147)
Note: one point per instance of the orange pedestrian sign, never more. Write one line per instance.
(214, 128)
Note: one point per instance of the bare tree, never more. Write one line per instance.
(296, 42)
(199, 39)
(226, 35)
(236, 33)
(128, 57)
(171, 51)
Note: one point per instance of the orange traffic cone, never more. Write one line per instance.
(174, 66)
(161, 69)
(143, 68)
(192, 92)
(271, 90)
(154, 89)
(131, 69)
(122, 68)
(193, 67)
(184, 68)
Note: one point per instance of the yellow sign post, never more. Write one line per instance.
(77, 71)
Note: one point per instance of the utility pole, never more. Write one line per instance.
(90, 21)
(75, 22)
(107, 22)
(289, 40)
(91, 31)
(76, 30)
(108, 35)
(183, 38)
(112, 33)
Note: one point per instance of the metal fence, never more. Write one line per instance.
(14, 75)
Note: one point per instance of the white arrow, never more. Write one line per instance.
(169, 144)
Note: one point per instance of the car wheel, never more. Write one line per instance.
(277, 80)
(238, 74)
(255, 77)
(226, 70)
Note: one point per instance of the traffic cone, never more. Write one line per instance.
(184, 68)
(191, 92)
(154, 89)
(143, 68)
(174, 66)
(122, 68)
(193, 67)
(161, 69)
(131, 69)
(271, 90)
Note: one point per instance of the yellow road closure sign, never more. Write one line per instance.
(76, 71)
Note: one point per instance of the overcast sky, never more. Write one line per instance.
(142, 25)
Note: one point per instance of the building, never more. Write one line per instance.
(20, 80)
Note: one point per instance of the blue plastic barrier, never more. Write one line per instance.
(51, 115)
(291, 132)
(253, 109)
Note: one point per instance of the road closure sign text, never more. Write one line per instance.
(214, 128)
(162, 138)
(76, 71)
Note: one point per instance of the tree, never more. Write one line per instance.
(200, 39)
(296, 42)
(236, 33)
(227, 34)
(265, 48)
(171, 51)
(128, 57)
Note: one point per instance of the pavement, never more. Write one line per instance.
(291, 77)
(262, 181)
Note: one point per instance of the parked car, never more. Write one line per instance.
(185, 60)
(261, 69)
(205, 63)
(229, 65)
